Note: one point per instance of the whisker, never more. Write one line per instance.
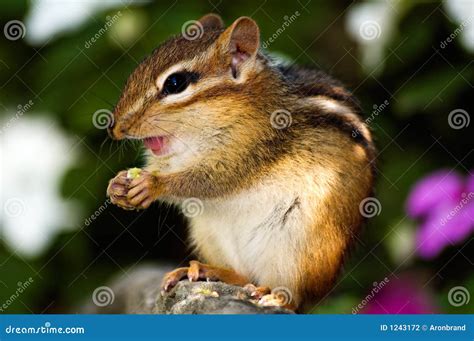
(102, 145)
(177, 122)
(170, 133)
(139, 154)
(121, 149)
(111, 147)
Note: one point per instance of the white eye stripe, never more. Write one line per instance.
(190, 65)
(173, 69)
(185, 65)
(192, 89)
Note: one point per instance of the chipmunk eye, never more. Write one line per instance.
(178, 82)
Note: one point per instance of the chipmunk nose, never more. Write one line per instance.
(116, 132)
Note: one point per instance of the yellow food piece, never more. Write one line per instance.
(206, 292)
(133, 173)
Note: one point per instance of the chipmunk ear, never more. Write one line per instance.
(211, 21)
(241, 40)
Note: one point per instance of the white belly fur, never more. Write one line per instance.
(245, 232)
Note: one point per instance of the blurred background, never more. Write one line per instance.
(63, 65)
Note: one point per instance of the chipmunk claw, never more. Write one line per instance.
(199, 271)
(172, 278)
(142, 190)
(256, 292)
(271, 300)
(133, 193)
(278, 297)
(117, 191)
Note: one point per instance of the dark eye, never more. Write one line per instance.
(178, 82)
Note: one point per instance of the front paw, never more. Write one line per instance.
(143, 190)
(118, 189)
(133, 192)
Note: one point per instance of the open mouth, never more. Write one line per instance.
(157, 144)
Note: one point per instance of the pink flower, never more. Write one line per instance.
(403, 295)
(444, 203)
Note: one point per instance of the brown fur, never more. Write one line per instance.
(237, 91)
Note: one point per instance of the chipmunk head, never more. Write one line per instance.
(191, 97)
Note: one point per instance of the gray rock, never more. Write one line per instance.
(211, 298)
(139, 293)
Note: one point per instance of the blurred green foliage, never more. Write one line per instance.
(69, 82)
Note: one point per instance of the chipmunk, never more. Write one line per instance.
(277, 157)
